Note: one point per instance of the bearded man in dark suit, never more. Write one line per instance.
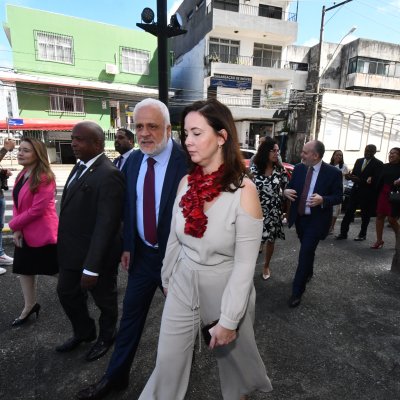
(314, 188)
(144, 242)
(89, 241)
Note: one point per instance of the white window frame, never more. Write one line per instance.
(66, 101)
(135, 61)
(54, 47)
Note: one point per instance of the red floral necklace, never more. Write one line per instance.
(202, 188)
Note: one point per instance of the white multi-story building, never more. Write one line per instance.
(359, 102)
(240, 51)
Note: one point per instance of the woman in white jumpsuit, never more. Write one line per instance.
(209, 264)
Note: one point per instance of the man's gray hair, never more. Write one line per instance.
(319, 148)
(154, 103)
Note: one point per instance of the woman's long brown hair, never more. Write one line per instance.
(219, 117)
(42, 167)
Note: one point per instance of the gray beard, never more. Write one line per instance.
(158, 148)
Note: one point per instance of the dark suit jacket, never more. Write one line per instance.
(366, 194)
(328, 185)
(176, 170)
(90, 219)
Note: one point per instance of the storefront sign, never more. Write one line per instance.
(231, 81)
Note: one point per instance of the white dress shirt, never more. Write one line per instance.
(316, 169)
(124, 157)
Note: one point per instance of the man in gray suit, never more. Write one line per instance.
(89, 241)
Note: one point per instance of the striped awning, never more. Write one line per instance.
(40, 124)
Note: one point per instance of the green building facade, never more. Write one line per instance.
(73, 69)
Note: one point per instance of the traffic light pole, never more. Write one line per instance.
(163, 32)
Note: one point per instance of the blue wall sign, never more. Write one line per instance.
(231, 81)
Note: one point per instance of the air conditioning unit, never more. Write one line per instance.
(111, 69)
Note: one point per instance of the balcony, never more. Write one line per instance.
(244, 60)
(373, 81)
(261, 10)
(247, 21)
(271, 99)
(257, 67)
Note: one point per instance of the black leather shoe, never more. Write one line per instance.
(102, 388)
(294, 301)
(360, 238)
(99, 349)
(73, 343)
(341, 237)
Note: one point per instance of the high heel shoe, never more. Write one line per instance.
(377, 245)
(20, 321)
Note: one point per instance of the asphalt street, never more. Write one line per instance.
(341, 343)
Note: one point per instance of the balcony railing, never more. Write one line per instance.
(244, 8)
(270, 99)
(244, 60)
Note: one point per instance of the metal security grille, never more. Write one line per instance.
(54, 47)
(66, 100)
(135, 61)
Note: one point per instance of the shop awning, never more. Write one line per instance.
(39, 124)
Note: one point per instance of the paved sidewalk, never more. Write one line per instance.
(342, 343)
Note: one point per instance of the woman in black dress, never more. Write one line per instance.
(388, 181)
(270, 179)
(34, 223)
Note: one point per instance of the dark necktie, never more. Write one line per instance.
(149, 204)
(118, 162)
(79, 171)
(301, 209)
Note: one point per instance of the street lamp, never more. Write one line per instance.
(313, 130)
(163, 32)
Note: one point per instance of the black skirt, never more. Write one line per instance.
(35, 260)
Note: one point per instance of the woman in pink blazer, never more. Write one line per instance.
(34, 223)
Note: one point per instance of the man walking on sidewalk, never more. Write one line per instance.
(89, 241)
(152, 176)
(315, 187)
(363, 194)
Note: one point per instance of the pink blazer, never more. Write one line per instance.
(36, 214)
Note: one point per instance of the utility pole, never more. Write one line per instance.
(314, 117)
(163, 32)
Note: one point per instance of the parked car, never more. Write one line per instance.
(249, 153)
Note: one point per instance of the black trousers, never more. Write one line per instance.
(354, 203)
(74, 301)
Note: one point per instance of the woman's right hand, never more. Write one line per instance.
(18, 237)
(221, 336)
